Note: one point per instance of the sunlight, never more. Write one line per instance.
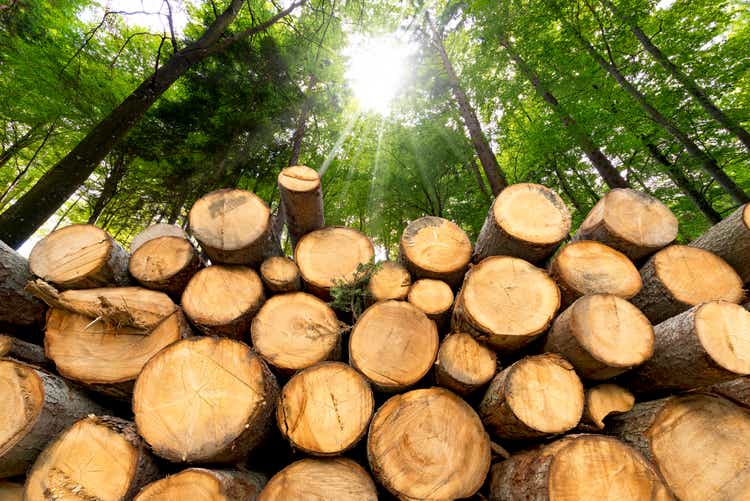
(151, 14)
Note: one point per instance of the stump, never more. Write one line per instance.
(393, 344)
(156, 231)
(604, 400)
(433, 247)
(20, 312)
(536, 396)
(428, 444)
(527, 221)
(325, 410)
(280, 274)
(730, 240)
(201, 484)
(632, 222)
(165, 264)
(463, 364)
(11, 347)
(204, 400)
(80, 256)
(434, 297)
(505, 302)
(390, 281)
(337, 479)
(302, 200)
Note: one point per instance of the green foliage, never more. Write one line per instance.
(352, 296)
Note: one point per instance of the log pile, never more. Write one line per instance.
(208, 365)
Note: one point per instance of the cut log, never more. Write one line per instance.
(390, 281)
(589, 267)
(11, 491)
(433, 247)
(36, 406)
(604, 400)
(730, 240)
(222, 300)
(707, 344)
(428, 444)
(80, 256)
(434, 297)
(578, 467)
(205, 400)
(505, 302)
(20, 312)
(302, 199)
(331, 255)
(602, 336)
(12, 347)
(233, 227)
(325, 410)
(536, 396)
(165, 264)
(295, 331)
(337, 479)
(280, 274)
(99, 457)
(632, 222)
(156, 231)
(527, 221)
(464, 364)
(700, 444)
(393, 344)
(736, 390)
(200, 484)
(680, 277)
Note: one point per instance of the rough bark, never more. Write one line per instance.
(301, 197)
(109, 188)
(20, 312)
(730, 240)
(30, 353)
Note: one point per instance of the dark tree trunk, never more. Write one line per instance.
(471, 166)
(114, 176)
(299, 131)
(565, 185)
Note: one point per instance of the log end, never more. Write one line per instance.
(433, 247)
(606, 399)
(21, 401)
(336, 478)
(156, 231)
(280, 274)
(533, 214)
(724, 331)
(464, 364)
(434, 297)
(390, 281)
(299, 179)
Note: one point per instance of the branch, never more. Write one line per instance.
(175, 47)
(127, 41)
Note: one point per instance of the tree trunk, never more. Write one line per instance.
(299, 131)
(464, 365)
(280, 275)
(565, 185)
(434, 298)
(337, 478)
(471, 166)
(109, 188)
(20, 312)
(165, 264)
(730, 240)
(433, 247)
(213, 484)
(301, 201)
(23, 351)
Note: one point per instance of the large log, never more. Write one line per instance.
(730, 240)
(390, 281)
(527, 221)
(535, 397)
(602, 336)
(578, 467)
(505, 302)
(156, 231)
(302, 199)
(280, 274)
(632, 222)
(20, 312)
(433, 247)
(99, 457)
(434, 297)
(680, 277)
(604, 400)
(204, 400)
(393, 344)
(165, 264)
(80, 256)
(36, 406)
(18, 349)
(337, 479)
(464, 364)
(201, 484)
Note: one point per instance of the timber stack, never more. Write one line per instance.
(613, 364)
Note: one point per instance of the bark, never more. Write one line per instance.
(114, 176)
(30, 353)
(730, 240)
(471, 166)
(301, 201)
(19, 311)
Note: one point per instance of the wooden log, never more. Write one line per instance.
(604, 400)
(464, 364)
(154, 231)
(80, 256)
(12, 347)
(428, 427)
(730, 240)
(11, 491)
(204, 400)
(20, 312)
(578, 467)
(324, 410)
(737, 390)
(295, 331)
(535, 397)
(434, 297)
(505, 302)
(526, 221)
(222, 300)
(393, 344)
(280, 274)
(602, 336)
(680, 277)
(632, 222)
(98, 457)
(700, 444)
(390, 281)
(433, 247)
(165, 264)
(337, 479)
(233, 227)
(205, 485)
(302, 199)
(36, 406)
(589, 267)
(707, 344)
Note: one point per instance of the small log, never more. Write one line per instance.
(165, 264)
(233, 227)
(730, 240)
(325, 410)
(20, 312)
(36, 406)
(526, 221)
(222, 300)
(434, 297)
(204, 484)
(632, 222)
(535, 397)
(295, 331)
(393, 344)
(464, 364)
(604, 400)
(80, 256)
(205, 400)
(390, 281)
(11, 491)
(589, 267)
(280, 274)
(302, 199)
(337, 479)
(505, 302)
(433, 247)
(98, 457)
(736, 390)
(428, 427)
(11, 347)
(602, 336)
(154, 231)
